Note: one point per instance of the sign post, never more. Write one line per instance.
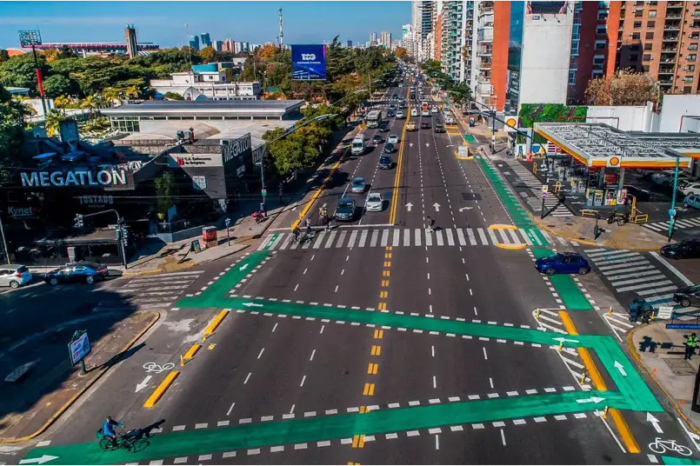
(78, 348)
(228, 234)
(545, 189)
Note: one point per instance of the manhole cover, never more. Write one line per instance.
(552, 226)
(680, 366)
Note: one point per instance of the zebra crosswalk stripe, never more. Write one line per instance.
(450, 238)
(396, 241)
(460, 237)
(428, 239)
(331, 237)
(363, 238)
(438, 237)
(418, 236)
(353, 237)
(493, 236)
(341, 240)
(525, 236)
(472, 238)
(385, 238)
(482, 236)
(374, 239)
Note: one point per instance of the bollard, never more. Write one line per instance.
(561, 346)
(605, 413)
(610, 311)
(583, 378)
(182, 361)
(537, 314)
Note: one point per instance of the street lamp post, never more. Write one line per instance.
(672, 211)
(32, 38)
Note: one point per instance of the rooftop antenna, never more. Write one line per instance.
(281, 32)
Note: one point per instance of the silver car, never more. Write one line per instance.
(358, 185)
(374, 202)
(14, 275)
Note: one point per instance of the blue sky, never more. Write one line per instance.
(164, 22)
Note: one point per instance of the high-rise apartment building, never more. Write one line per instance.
(422, 19)
(385, 39)
(218, 45)
(407, 37)
(194, 43)
(453, 36)
(589, 47)
(660, 38)
(132, 49)
(228, 46)
(348, 44)
(205, 40)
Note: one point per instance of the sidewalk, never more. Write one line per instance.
(674, 375)
(50, 386)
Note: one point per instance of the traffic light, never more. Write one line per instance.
(78, 221)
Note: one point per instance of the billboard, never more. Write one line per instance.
(309, 62)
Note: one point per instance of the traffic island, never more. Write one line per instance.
(40, 382)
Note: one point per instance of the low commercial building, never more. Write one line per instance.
(207, 82)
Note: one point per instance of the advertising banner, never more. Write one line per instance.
(309, 62)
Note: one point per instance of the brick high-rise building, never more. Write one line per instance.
(660, 38)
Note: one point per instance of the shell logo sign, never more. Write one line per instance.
(511, 124)
(614, 162)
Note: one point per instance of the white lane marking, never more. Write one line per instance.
(247, 378)
(485, 355)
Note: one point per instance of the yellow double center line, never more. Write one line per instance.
(399, 165)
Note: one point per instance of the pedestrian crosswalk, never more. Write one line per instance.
(150, 292)
(662, 227)
(631, 271)
(551, 204)
(419, 237)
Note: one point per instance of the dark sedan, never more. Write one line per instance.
(80, 272)
(686, 249)
(642, 195)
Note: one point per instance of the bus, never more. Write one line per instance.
(373, 118)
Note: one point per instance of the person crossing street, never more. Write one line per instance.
(690, 345)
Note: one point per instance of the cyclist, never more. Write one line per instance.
(108, 428)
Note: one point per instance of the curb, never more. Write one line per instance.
(75, 397)
(638, 360)
(189, 265)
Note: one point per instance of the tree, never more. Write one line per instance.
(53, 120)
(51, 55)
(89, 103)
(208, 54)
(11, 128)
(173, 96)
(62, 101)
(266, 51)
(110, 94)
(460, 93)
(4, 56)
(165, 192)
(400, 52)
(624, 88)
(58, 85)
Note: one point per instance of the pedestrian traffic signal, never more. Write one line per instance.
(78, 221)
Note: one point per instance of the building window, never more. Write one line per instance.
(651, 24)
(649, 35)
(645, 68)
(696, 13)
(691, 57)
(600, 29)
(694, 35)
(652, 14)
(688, 79)
(599, 60)
(693, 46)
(637, 24)
(600, 45)
(596, 73)
(648, 46)
(638, 13)
(652, 3)
(647, 57)
(602, 15)
(636, 36)
(686, 89)
(690, 68)
(572, 77)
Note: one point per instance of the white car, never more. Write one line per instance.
(374, 202)
(434, 109)
(400, 115)
(394, 139)
(425, 113)
(690, 187)
(414, 112)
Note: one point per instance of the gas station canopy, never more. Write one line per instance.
(601, 145)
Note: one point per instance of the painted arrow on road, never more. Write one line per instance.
(655, 423)
(437, 207)
(143, 384)
(427, 145)
(465, 208)
(252, 305)
(593, 399)
(565, 340)
(410, 144)
(40, 460)
(243, 267)
(409, 206)
(620, 368)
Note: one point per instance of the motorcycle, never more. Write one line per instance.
(258, 216)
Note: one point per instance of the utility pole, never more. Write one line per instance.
(281, 32)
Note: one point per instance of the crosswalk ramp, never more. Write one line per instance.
(631, 272)
(551, 204)
(662, 227)
(150, 292)
(415, 237)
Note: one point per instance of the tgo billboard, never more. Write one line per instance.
(308, 62)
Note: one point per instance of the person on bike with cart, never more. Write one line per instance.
(108, 428)
(297, 233)
(323, 215)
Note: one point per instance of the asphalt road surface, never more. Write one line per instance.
(416, 353)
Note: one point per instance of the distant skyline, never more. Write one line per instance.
(163, 23)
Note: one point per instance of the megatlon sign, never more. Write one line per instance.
(58, 179)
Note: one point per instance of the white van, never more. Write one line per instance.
(358, 146)
(449, 120)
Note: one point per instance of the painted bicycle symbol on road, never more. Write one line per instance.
(662, 446)
(157, 368)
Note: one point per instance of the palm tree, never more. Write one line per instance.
(132, 92)
(53, 119)
(111, 94)
(62, 101)
(89, 103)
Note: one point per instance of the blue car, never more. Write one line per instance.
(565, 262)
(79, 272)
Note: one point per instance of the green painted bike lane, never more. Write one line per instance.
(566, 287)
(267, 434)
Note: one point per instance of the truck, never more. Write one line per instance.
(358, 146)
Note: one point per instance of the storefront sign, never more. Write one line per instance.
(199, 183)
(22, 212)
(236, 147)
(683, 326)
(195, 160)
(79, 346)
(665, 312)
(72, 178)
(96, 200)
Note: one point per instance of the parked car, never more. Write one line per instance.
(14, 276)
(687, 296)
(692, 200)
(358, 185)
(565, 262)
(394, 139)
(79, 272)
(642, 195)
(690, 187)
(374, 202)
(345, 211)
(386, 162)
(685, 249)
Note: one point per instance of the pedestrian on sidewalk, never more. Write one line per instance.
(690, 345)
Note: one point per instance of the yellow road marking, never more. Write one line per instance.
(350, 462)
(399, 164)
(369, 389)
(372, 369)
(163, 387)
(376, 350)
(597, 379)
(215, 323)
(387, 255)
(383, 294)
(386, 273)
(387, 264)
(358, 441)
(501, 226)
(379, 334)
(389, 248)
(385, 283)
(192, 351)
(363, 409)
(511, 247)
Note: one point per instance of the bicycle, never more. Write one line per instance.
(129, 441)
(662, 446)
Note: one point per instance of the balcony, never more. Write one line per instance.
(671, 38)
(485, 35)
(673, 49)
(484, 88)
(667, 71)
(674, 5)
(673, 16)
(485, 65)
(484, 52)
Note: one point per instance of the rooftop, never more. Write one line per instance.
(598, 145)
(211, 108)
